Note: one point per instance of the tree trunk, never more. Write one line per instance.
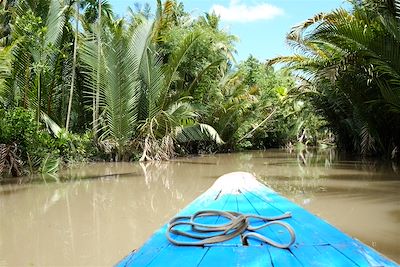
(96, 102)
(71, 91)
(39, 96)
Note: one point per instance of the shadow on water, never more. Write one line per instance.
(54, 178)
(107, 209)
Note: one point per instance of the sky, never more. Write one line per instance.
(260, 25)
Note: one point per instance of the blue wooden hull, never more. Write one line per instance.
(317, 242)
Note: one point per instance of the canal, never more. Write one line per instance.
(98, 213)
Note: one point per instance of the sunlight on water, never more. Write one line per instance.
(98, 220)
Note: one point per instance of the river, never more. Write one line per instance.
(105, 210)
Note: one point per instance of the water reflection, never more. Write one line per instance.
(115, 208)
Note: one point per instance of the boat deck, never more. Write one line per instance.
(317, 242)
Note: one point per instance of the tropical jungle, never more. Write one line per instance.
(79, 83)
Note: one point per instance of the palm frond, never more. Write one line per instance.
(52, 126)
(153, 85)
(55, 23)
(197, 132)
(297, 31)
(50, 164)
(5, 73)
(177, 57)
(196, 80)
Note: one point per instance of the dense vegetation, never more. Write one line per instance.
(349, 66)
(78, 82)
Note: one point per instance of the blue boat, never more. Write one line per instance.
(316, 243)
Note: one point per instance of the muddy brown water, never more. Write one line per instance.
(98, 220)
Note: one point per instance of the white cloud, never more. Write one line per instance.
(237, 12)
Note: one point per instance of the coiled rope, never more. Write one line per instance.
(237, 224)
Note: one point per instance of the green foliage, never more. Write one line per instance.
(38, 33)
(350, 70)
(148, 89)
(134, 73)
(91, 10)
(257, 107)
(75, 147)
(35, 148)
(138, 104)
(118, 80)
(18, 127)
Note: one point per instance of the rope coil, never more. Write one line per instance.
(237, 224)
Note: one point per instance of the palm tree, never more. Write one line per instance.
(134, 98)
(37, 47)
(94, 9)
(73, 65)
(350, 60)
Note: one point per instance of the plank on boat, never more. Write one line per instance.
(317, 242)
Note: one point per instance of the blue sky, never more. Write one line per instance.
(261, 25)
